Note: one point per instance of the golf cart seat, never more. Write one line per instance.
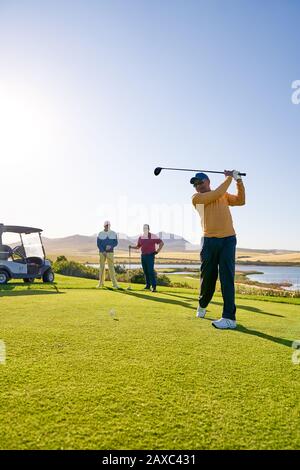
(5, 252)
(35, 260)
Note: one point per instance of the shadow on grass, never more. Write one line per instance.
(154, 297)
(193, 299)
(243, 307)
(250, 309)
(240, 328)
(9, 290)
(274, 339)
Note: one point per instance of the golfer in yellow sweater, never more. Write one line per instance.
(218, 243)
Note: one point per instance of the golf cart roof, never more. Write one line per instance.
(18, 229)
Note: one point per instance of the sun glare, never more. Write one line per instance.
(24, 123)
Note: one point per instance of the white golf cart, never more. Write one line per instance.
(24, 260)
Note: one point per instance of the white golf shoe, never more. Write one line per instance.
(224, 324)
(200, 312)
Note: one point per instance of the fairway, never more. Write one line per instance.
(103, 369)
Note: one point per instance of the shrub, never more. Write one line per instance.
(183, 285)
(138, 278)
(61, 258)
(120, 269)
(163, 280)
(250, 290)
(71, 268)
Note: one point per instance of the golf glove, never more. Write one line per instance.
(236, 175)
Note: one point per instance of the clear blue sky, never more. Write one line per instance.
(95, 94)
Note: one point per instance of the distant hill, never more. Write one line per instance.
(87, 244)
(83, 248)
(270, 251)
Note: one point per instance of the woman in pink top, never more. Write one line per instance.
(147, 243)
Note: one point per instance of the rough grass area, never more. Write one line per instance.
(104, 369)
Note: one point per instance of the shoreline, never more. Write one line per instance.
(287, 264)
(241, 278)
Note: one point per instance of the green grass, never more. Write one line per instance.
(103, 369)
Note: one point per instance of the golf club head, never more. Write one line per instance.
(157, 170)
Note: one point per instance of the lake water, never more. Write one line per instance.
(274, 274)
(270, 274)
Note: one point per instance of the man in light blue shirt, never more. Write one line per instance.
(107, 240)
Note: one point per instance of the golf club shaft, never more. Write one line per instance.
(204, 171)
(129, 267)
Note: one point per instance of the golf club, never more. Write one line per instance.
(158, 170)
(129, 267)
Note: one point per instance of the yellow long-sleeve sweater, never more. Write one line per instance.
(213, 208)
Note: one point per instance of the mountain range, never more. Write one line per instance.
(87, 244)
(84, 248)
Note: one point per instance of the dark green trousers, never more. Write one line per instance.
(218, 257)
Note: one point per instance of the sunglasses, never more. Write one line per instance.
(198, 182)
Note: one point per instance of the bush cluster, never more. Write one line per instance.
(137, 277)
(72, 268)
(243, 289)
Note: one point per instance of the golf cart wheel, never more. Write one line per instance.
(48, 276)
(4, 277)
(28, 280)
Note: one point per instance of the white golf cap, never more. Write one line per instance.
(107, 222)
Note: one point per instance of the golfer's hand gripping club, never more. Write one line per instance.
(234, 174)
